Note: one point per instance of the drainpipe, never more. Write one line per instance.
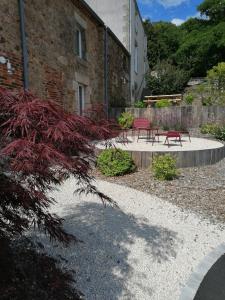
(23, 44)
(106, 71)
(130, 47)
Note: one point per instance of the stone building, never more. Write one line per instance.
(61, 50)
(124, 19)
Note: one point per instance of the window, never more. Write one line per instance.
(80, 42)
(81, 98)
(136, 59)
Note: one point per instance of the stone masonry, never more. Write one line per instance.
(55, 70)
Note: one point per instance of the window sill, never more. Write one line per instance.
(82, 61)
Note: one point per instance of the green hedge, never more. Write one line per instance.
(164, 167)
(115, 162)
(163, 103)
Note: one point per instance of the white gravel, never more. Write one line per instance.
(147, 249)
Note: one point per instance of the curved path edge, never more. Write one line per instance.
(196, 278)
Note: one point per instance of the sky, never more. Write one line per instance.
(175, 11)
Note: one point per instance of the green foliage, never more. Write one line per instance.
(189, 99)
(216, 77)
(209, 128)
(140, 104)
(214, 129)
(179, 127)
(163, 40)
(213, 9)
(163, 103)
(207, 101)
(167, 79)
(203, 92)
(164, 167)
(115, 162)
(195, 46)
(201, 48)
(126, 120)
(220, 133)
(165, 127)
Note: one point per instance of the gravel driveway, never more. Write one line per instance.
(146, 249)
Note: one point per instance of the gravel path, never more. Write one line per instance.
(144, 250)
(200, 190)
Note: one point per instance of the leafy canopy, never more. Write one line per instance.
(213, 9)
(167, 79)
(195, 46)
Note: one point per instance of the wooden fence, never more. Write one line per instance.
(185, 116)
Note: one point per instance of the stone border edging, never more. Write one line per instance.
(192, 285)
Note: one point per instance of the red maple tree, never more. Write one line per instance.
(41, 145)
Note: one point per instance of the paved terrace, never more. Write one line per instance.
(198, 152)
(144, 145)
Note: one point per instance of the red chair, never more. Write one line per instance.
(173, 134)
(187, 133)
(141, 124)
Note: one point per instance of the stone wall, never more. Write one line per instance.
(118, 73)
(10, 47)
(54, 68)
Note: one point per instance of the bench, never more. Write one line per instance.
(176, 98)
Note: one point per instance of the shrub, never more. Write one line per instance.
(179, 127)
(216, 77)
(140, 104)
(163, 103)
(209, 129)
(207, 101)
(165, 127)
(220, 133)
(167, 79)
(164, 167)
(189, 99)
(41, 146)
(115, 162)
(126, 120)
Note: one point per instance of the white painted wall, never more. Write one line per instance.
(123, 18)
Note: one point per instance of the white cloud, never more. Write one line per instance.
(165, 3)
(169, 3)
(177, 21)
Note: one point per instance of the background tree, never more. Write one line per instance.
(201, 48)
(163, 40)
(167, 79)
(195, 46)
(213, 9)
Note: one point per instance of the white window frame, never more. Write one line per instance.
(81, 42)
(81, 98)
(80, 48)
